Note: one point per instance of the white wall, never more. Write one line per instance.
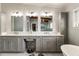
(0, 18)
(0, 7)
(73, 31)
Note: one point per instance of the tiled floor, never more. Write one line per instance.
(26, 54)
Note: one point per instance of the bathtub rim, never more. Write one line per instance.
(65, 45)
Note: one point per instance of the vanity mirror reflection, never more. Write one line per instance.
(17, 22)
(32, 21)
(46, 22)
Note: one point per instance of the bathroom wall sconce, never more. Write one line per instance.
(75, 25)
(75, 14)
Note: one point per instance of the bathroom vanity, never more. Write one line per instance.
(11, 44)
(44, 43)
(44, 28)
(49, 43)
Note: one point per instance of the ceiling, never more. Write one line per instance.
(57, 5)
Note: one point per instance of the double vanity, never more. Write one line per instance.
(44, 42)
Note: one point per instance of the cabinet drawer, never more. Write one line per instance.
(48, 37)
(30, 38)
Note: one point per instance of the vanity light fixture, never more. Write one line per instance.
(17, 14)
(76, 17)
(46, 14)
(31, 14)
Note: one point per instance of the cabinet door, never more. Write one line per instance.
(1, 45)
(7, 45)
(49, 44)
(60, 41)
(44, 44)
(38, 44)
(21, 44)
(14, 44)
(10, 44)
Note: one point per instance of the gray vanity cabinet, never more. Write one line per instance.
(60, 41)
(1, 44)
(46, 44)
(11, 44)
(7, 45)
(49, 44)
(16, 44)
(43, 43)
(39, 44)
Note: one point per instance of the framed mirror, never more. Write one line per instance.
(17, 22)
(46, 23)
(32, 23)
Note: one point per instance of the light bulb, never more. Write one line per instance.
(17, 14)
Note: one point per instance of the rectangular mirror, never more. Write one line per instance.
(17, 23)
(32, 23)
(46, 23)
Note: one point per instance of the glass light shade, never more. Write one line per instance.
(46, 14)
(17, 14)
(31, 14)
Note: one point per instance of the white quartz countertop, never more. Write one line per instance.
(32, 35)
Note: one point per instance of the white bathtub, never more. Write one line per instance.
(70, 50)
